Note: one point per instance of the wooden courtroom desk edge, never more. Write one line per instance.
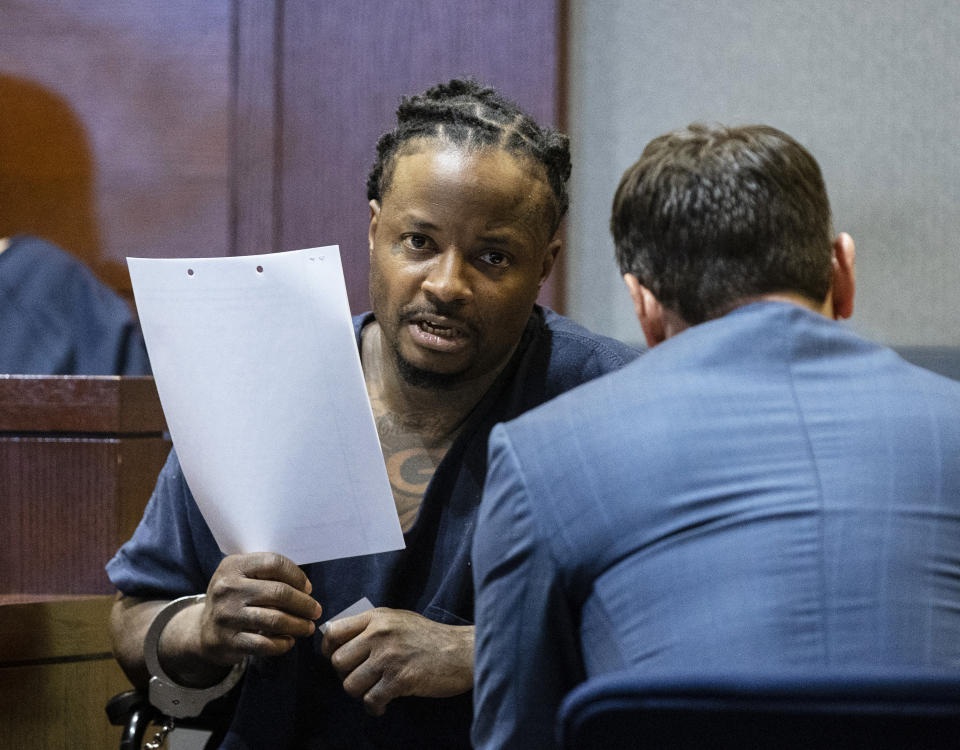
(37, 628)
(56, 672)
(80, 403)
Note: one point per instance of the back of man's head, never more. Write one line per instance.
(712, 216)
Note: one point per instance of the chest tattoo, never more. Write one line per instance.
(411, 462)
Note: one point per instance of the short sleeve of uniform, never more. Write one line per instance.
(172, 552)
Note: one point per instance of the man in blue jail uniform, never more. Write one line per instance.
(763, 491)
(57, 318)
(466, 198)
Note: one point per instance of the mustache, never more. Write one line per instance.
(439, 309)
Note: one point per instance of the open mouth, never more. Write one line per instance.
(437, 329)
(438, 334)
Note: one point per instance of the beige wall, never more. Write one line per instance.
(871, 88)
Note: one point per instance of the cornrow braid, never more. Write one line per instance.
(470, 115)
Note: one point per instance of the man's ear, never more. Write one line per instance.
(843, 278)
(649, 310)
(374, 217)
(550, 257)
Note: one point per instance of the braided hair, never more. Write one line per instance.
(470, 115)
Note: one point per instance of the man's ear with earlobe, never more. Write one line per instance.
(550, 257)
(649, 310)
(843, 284)
(374, 218)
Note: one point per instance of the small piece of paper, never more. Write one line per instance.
(354, 609)
(256, 363)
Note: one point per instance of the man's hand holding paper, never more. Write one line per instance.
(256, 605)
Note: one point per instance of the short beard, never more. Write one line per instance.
(419, 378)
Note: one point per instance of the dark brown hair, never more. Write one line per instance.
(710, 216)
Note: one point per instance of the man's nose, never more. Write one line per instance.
(448, 279)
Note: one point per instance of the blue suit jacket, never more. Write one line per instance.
(763, 491)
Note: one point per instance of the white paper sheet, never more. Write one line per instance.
(259, 376)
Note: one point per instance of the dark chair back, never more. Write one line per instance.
(805, 712)
(140, 720)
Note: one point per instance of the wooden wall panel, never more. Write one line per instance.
(114, 127)
(176, 128)
(255, 140)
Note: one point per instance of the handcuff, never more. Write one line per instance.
(163, 691)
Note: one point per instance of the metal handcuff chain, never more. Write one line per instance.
(158, 739)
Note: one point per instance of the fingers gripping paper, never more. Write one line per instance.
(257, 367)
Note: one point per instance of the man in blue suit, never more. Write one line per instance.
(764, 490)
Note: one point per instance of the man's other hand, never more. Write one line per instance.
(384, 653)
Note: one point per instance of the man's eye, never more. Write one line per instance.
(496, 259)
(416, 241)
